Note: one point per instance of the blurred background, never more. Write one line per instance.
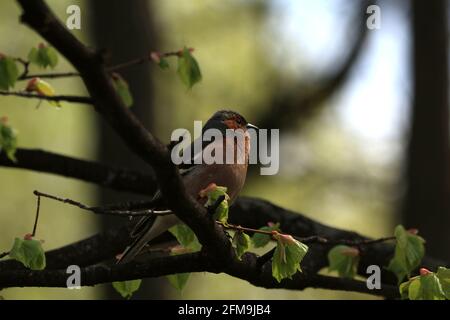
(363, 118)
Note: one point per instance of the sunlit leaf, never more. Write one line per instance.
(43, 56)
(179, 280)
(444, 278)
(344, 260)
(260, 240)
(29, 252)
(409, 251)
(127, 288)
(213, 193)
(8, 140)
(188, 69)
(241, 243)
(287, 257)
(186, 237)
(8, 72)
(122, 89)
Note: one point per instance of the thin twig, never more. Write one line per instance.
(105, 211)
(117, 67)
(26, 65)
(66, 98)
(26, 76)
(38, 207)
(144, 59)
(319, 239)
(312, 239)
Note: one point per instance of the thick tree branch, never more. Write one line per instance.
(246, 211)
(195, 262)
(111, 177)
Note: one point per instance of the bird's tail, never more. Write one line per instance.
(146, 230)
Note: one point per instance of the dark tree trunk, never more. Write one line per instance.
(427, 200)
(126, 30)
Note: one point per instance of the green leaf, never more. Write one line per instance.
(214, 193)
(122, 89)
(179, 280)
(344, 260)
(444, 278)
(8, 72)
(127, 288)
(260, 240)
(163, 64)
(43, 56)
(287, 257)
(8, 140)
(241, 243)
(404, 288)
(52, 56)
(186, 237)
(409, 251)
(188, 69)
(29, 253)
(424, 287)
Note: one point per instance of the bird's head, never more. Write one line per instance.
(227, 119)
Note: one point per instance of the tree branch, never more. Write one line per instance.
(115, 68)
(59, 98)
(107, 176)
(195, 262)
(254, 212)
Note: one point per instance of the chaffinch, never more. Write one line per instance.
(198, 177)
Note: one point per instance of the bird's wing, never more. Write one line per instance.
(150, 228)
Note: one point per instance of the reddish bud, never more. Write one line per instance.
(180, 52)
(284, 238)
(155, 56)
(351, 252)
(4, 119)
(41, 45)
(424, 271)
(2, 55)
(31, 85)
(204, 192)
(413, 231)
(28, 236)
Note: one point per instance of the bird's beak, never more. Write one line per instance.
(249, 125)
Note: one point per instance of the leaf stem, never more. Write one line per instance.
(38, 207)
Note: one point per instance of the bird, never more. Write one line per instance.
(198, 177)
